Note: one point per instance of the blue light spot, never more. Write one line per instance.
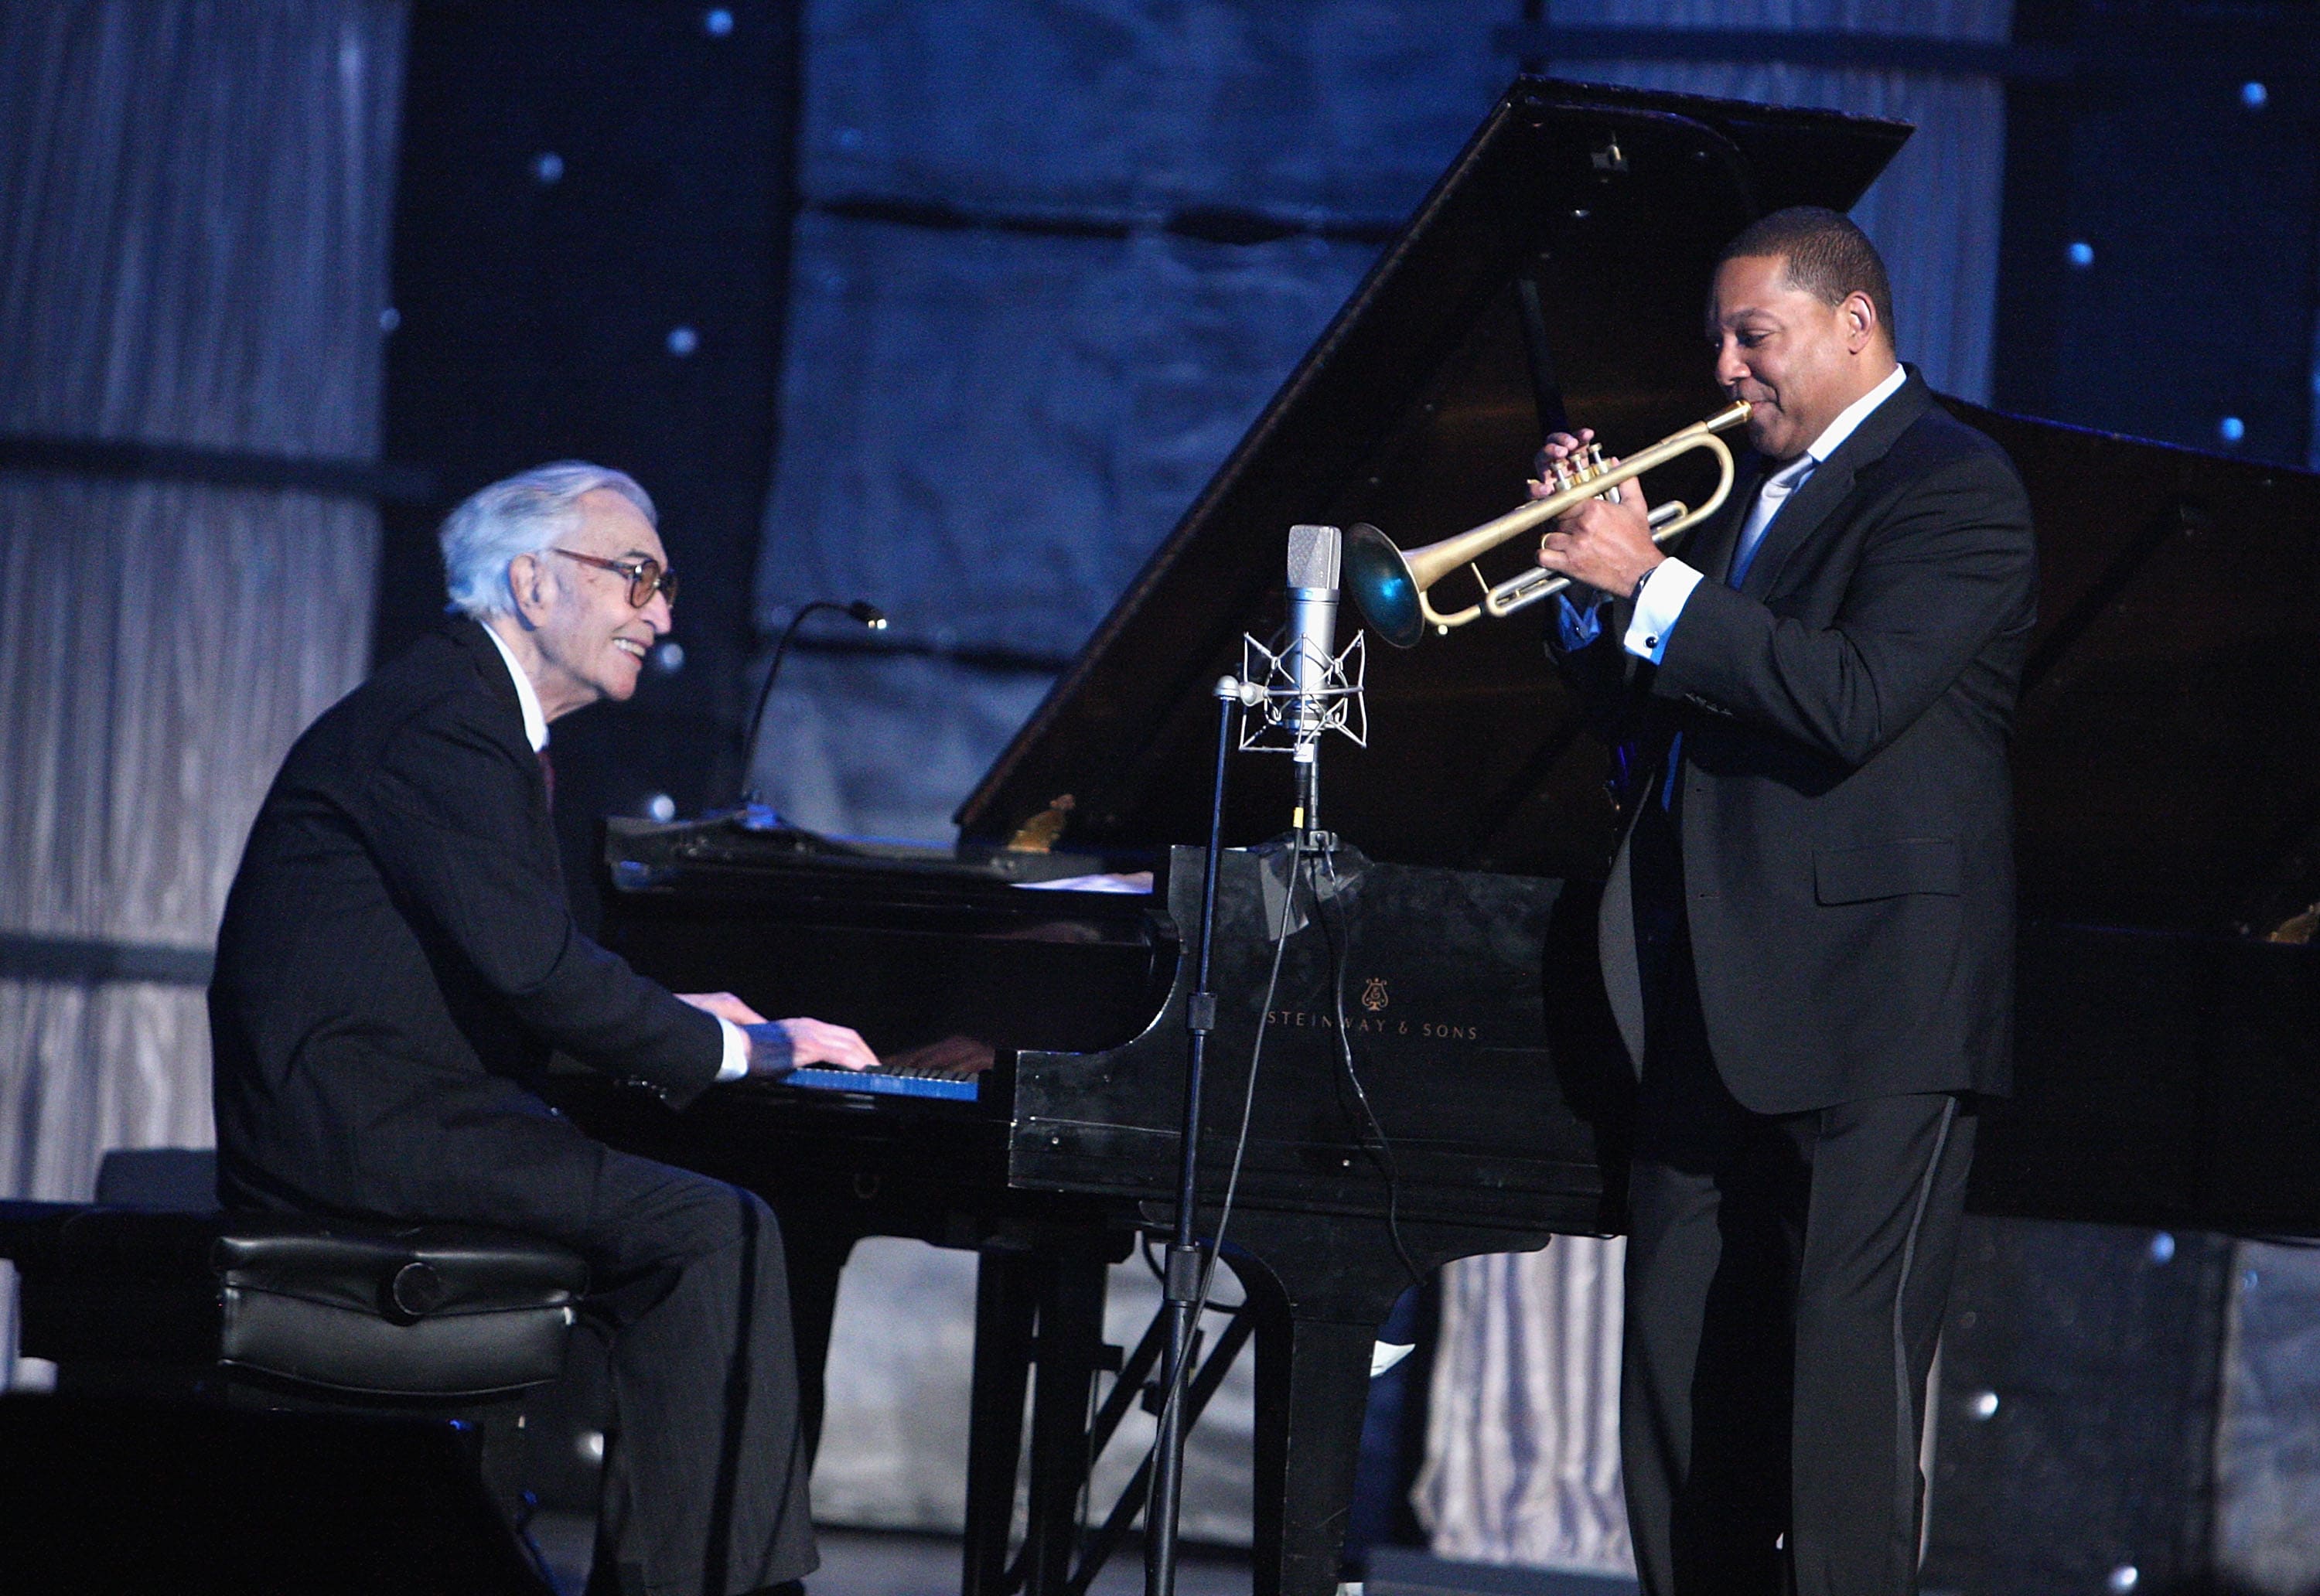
(2254, 96)
(2081, 254)
(2231, 429)
(682, 340)
(661, 807)
(2163, 1249)
(720, 22)
(548, 166)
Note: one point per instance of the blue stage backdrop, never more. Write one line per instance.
(1052, 261)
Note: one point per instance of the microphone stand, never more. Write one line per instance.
(1313, 680)
(1310, 836)
(1180, 1287)
(868, 614)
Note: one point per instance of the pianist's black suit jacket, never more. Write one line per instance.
(397, 960)
(1845, 807)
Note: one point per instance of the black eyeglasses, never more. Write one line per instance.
(645, 577)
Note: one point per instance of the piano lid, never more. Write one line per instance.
(2167, 751)
(2170, 769)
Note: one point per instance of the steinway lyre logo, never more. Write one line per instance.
(1373, 996)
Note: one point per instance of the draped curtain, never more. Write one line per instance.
(193, 206)
(987, 426)
(1522, 1449)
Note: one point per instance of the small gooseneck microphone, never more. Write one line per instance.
(867, 614)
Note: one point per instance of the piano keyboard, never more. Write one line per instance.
(880, 1081)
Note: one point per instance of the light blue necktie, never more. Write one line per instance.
(1769, 498)
(1776, 492)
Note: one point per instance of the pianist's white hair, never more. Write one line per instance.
(525, 514)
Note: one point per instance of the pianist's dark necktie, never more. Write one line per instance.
(548, 774)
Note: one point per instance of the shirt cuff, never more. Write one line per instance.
(1656, 612)
(736, 1051)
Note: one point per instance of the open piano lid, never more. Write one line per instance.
(2168, 760)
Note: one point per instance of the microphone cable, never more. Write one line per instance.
(1339, 941)
(1256, 1057)
(1181, 1385)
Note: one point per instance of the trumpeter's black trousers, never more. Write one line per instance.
(1786, 1280)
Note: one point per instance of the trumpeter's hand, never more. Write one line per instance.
(1559, 446)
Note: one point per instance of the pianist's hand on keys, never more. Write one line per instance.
(777, 1047)
(810, 1041)
(947, 1070)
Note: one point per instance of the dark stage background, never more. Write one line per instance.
(953, 307)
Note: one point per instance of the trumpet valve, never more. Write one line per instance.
(1597, 466)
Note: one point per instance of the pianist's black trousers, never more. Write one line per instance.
(705, 1470)
(1786, 1279)
(704, 1481)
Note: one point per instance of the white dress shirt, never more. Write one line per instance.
(736, 1061)
(1672, 582)
(535, 724)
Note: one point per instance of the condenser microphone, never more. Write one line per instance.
(1301, 688)
(1315, 555)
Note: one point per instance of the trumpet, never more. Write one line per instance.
(1391, 586)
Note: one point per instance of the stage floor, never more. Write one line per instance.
(893, 1563)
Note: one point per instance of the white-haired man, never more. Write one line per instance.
(396, 963)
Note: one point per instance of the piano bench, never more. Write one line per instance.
(420, 1316)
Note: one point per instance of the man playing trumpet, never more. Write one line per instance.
(1808, 935)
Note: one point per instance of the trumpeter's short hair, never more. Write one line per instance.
(1827, 256)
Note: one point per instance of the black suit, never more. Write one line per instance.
(1807, 938)
(395, 964)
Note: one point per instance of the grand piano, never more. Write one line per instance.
(1437, 1075)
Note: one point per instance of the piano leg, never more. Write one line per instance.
(1071, 1332)
(1321, 1286)
(817, 1254)
(1313, 1390)
(1046, 1309)
(1006, 1306)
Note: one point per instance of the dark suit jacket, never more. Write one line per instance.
(1845, 805)
(397, 960)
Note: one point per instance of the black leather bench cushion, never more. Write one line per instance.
(406, 1275)
(430, 1309)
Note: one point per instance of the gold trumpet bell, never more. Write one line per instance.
(1379, 577)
